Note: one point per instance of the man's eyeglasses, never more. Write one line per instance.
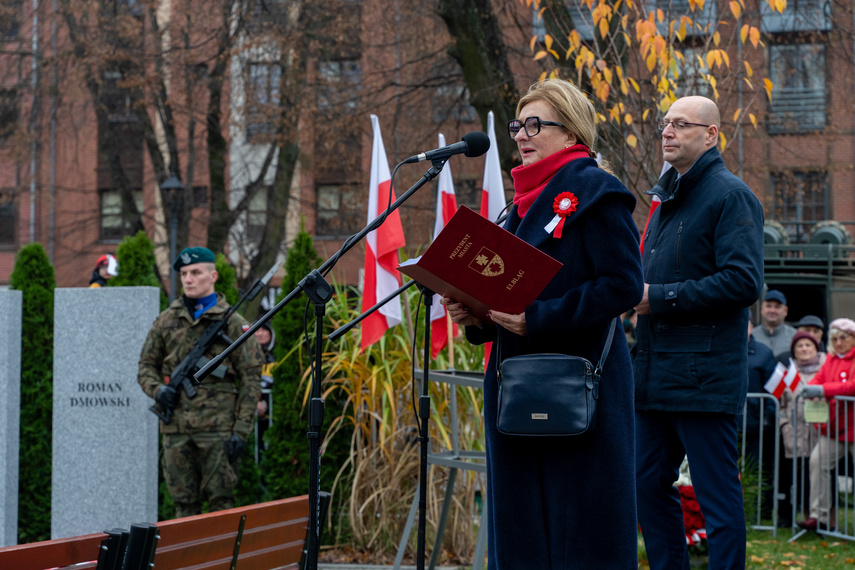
(678, 125)
(532, 126)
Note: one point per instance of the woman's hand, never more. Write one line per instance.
(459, 314)
(514, 323)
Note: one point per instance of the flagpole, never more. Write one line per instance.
(450, 327)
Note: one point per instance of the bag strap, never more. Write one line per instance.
(600, 364)
(607, 347)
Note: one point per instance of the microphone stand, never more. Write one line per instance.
(423, 407)
(320, 292)
(424, 435)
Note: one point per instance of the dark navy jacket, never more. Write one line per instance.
(703, 259)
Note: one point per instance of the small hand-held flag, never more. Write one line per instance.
(792, 378)
(775, 384)
(381, 248)
(446, 205)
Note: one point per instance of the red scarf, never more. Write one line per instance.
(530, 180)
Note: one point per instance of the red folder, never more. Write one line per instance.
(483, 266)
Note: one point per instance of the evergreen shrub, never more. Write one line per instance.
(33, 275)
(135, 255)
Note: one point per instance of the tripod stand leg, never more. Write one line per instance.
(481, 543)
(405, 536)
(443, 517)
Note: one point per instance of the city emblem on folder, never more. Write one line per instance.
(487, 263)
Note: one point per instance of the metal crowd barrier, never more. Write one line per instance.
(827, 471)
(755, 445)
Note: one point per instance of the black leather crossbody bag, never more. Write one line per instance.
(549, 394)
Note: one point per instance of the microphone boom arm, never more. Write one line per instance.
(432, 173)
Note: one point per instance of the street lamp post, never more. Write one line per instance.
(173, 189)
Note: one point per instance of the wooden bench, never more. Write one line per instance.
(273, 537)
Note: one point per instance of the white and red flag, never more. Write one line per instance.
(775, 384)
(792, 378)
(446, 205)
(381, 248)
(492, 188)
(492, 192)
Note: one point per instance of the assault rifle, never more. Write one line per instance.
(182, 376)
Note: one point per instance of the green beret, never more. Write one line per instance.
(191, 255)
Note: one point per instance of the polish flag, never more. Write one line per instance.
(493, 189)
(792, 379)
(446, 205)
(775, 384)
(654, 203)
(381, 248)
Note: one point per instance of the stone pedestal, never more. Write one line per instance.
(10, 413)
(104, 436)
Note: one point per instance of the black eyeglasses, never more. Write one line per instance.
(532, 126)
(678, 125)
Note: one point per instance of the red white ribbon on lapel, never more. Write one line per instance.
(563, 205)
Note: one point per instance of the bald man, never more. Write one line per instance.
(703, 268)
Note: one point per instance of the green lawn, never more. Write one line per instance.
(808, 551)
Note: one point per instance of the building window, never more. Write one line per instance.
(703, 20)
(262, 96)
(115, 218)
(580, 15)
(256, 215)
(134, 8)
(340, 84)
(9, 112)
(200, 196)
(798, 16)
(117, 98)
(7, 219)
(452, 102)
(691, 74)
(798, 100)
(799, 200)
(340, 210)
(10, 19)
(263, 14)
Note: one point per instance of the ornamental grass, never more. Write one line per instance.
(375, 393)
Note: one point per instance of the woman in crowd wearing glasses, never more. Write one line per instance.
(565, 502)
(835, 378)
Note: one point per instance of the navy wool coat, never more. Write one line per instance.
(560, 503)
(703, 259)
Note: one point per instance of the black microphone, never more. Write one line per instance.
(473, 144)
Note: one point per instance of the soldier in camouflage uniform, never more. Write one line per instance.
(205, 438)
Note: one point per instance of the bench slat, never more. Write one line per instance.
(281, 556)
(225, 522)
(49, 553)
